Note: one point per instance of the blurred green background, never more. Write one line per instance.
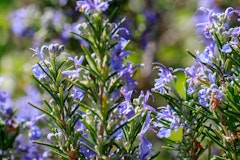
(160, 31)
(163, 34)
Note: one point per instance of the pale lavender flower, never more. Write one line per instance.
(216, 92)
(78, 93)
(226, 48)
(167, 114)
(164, 83)
(22, 104)
(92, 5)
(164, 132)
(192, 80)
(34, 133)
(52, 17)
(21, 20)
(39, 53)
(207, 56)
(77, 61)
(77, 64)
(203, 97)
(38, 71)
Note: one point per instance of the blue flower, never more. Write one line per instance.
(3, 96)
(226, 48)
(126, 75)
(92, 5)
(203, 97)
(145, 99)
(34, 133)
(145, 145)
(166, 114)
(39, 53)
(144, 148)
(78, 93)
(126, 107)
(164, 83)
(21, 20)
(77, 61)
(164, 132)
(116, 60)
(38, 71)
(207, 56)
(34, 97)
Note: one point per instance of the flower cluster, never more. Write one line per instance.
(90, 96)
(18, 129)
(209, 98)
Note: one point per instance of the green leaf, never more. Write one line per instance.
(177, 136)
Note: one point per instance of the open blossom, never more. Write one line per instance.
(126, 107)
(39, 53)
(90, 5)
(207, 56)
(116, 60)
(164, 83)
(78, 93)
(166, 114)
(38, 72)
(126, 75)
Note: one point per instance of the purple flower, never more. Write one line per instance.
(145, 145)
(191, 73)
(164, 132)
(33, 115)
(226, 48)
(28, 150)
(144, 148)
(38, 71)
(34, 133)
(207, 56)
(92, 5)
(216, 92)
(164, 83)
(78, 93)
(144, 101)
(203, 97)
(126, 75)
(5, 103)
(62, 2)
(51, 17)
(126, 107)
(3, 96)
(21, 20)
(39, 53)
(116, 60)
(166, 114)
(77, 61)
